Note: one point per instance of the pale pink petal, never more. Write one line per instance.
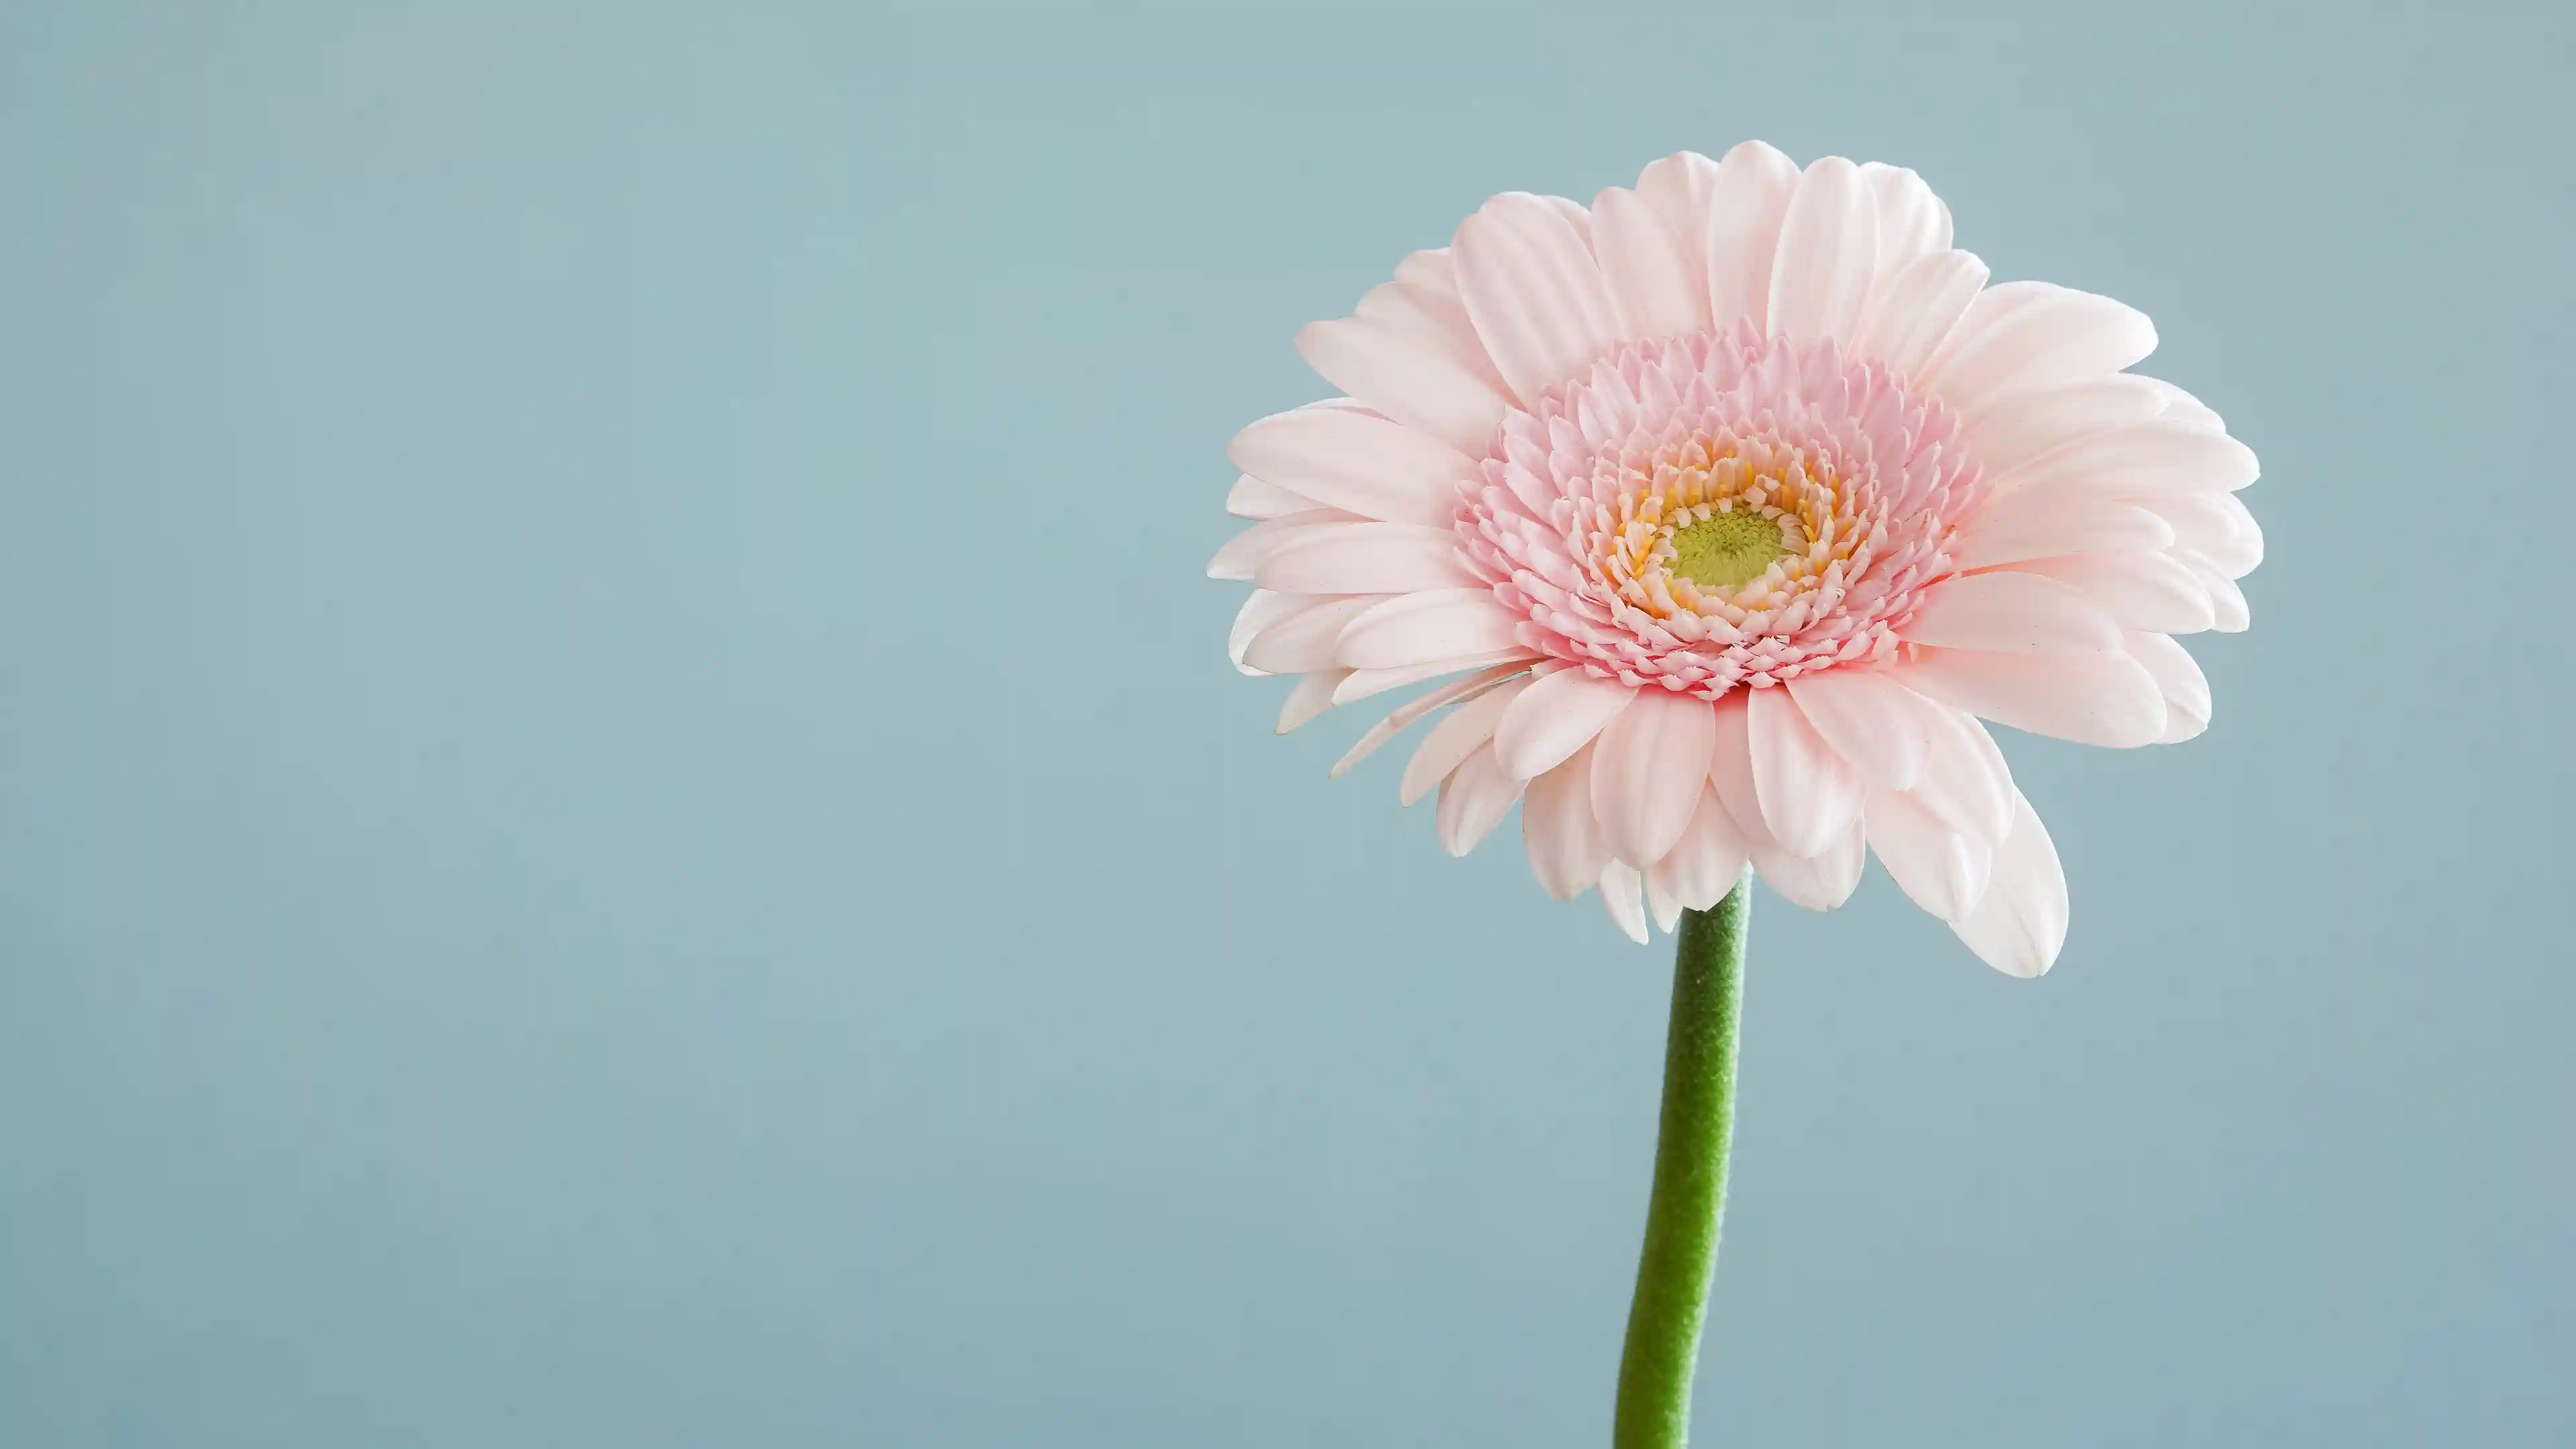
(1260, 610)
(1808, 794)
(2105, 699)
(1424, 298)
(1748, 197)
(1242, 554)
(1619, 896)
(1662, 905)
(2020, 925)
(2177, 674)
(1709, 858)
(2145, 460)
(1828, 255)
(1365, 558)
(2226, 600)
(1989, 309)
(1305, 639)
(2013, 612)
(1357, 461)
(1817, 882)
(1942, 868)
(1457, 691)
(2052, 522)
(1966, 783)
(1566, 847)
(1534, 292)
(1654, 287)
(1879, 726)
(1917, 308)
(2152, 591)
(1362, 683)
(1555, 717)
(1679, 188)
(1912, 222)
(1730, 769)
(1473, 800)
(1458, 735)
(1407, 375)
(2021, 427)
(2181, 407)
(1433, 626)
(2214, 525)
(1254, 499)
(1308, 701)
(1647, 768)
(2049, 336)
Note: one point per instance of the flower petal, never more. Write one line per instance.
(1748, 198)
(1808, 794)
(1916, 309)
(1365, 558)
(1243, 553)
(2050, 523)
(1730, 768)
(1305, 639)
(1255, 499)
(2020, 613)
(1679, 188)
(1566, 847)
(1709, 858)
(2177, 674)
(1409, 378)
(1428, 627)
(1362, 683)
(1828, 255)
(1457, 736)
(2020, 924)
(1966, 783)
(1345, 458)
(1261, 608)
(1535, 293)
(2146, 460)
(2152, 591)
(1912, 222)
(2226, 600)
(2020, 427)
(2214, 525)
(1649, 766)
(2181, 407)
(1308, 701)
(2043, 336)
(1555, 717)
(2105, 699)
(1473, 800)
(1817, 882)
(1456, 691)
(1655, 290)
(1943, 869)
(1877, 725)
(1662, 905)
(1619, 897)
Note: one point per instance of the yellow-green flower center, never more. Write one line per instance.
(1724, 550)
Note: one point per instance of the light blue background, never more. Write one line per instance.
(622, 820)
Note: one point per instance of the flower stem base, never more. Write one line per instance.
(1689, 1198)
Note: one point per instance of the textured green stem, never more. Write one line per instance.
(1689, 1197)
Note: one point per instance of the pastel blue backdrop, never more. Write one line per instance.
(622, 820)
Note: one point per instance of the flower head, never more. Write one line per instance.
(1734, 503)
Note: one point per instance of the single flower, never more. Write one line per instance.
(1735, 502)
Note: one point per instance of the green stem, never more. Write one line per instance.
(1689, 1197)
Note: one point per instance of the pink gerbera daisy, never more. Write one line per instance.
(1735, 502)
